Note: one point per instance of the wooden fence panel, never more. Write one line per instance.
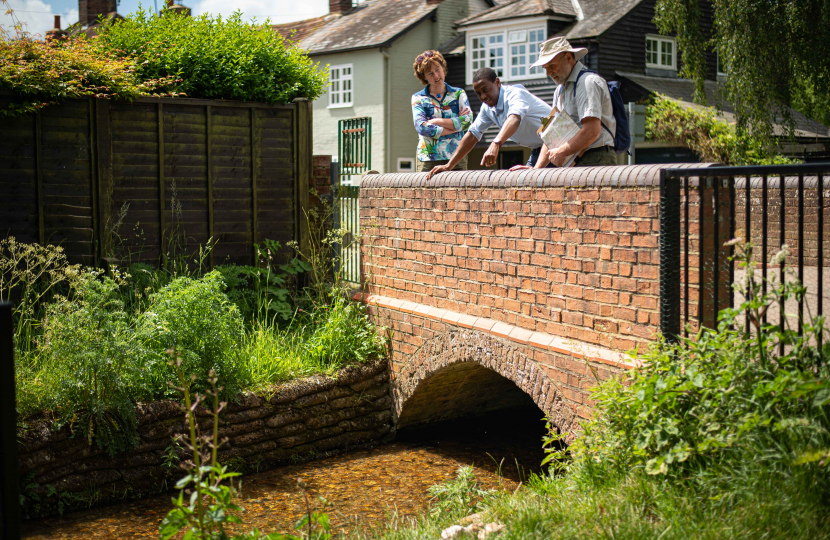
(135, 217)
(65, 172)
(155, 179)
(18, 178)
(231, 174)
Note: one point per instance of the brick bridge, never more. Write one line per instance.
(501, 287)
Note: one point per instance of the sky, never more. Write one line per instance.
(38, 15)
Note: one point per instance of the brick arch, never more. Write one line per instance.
(472, 350)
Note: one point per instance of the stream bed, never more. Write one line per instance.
(364, 488)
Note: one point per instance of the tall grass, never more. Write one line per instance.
(93, 342)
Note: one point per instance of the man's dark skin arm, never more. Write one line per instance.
(469, 141)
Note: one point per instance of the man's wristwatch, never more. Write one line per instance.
(496, 141)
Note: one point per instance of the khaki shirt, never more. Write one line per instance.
(592, 99)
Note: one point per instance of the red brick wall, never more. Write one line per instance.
(560, 256)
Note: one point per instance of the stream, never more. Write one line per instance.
(364, 488)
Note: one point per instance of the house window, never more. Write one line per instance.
(661, 52)
(340, 91)
(488, 51)
(509, 52)
(524, 50)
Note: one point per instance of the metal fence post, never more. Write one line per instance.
(669, 256)
(9, 482)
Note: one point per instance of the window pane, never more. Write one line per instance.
(517, 36)
(536, 38)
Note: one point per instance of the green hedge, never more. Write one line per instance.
(214, 58)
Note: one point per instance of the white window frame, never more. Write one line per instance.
(508, 32)
(660, 42)
(402, 160)
(337, 81)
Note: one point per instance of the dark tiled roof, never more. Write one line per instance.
(520, 8)
(299, 30)
(599, 16)
(455, 46)
(372, 24)
(681, 90)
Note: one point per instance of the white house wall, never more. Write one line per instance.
(367, 89)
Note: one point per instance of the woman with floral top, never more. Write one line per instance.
(441, 112)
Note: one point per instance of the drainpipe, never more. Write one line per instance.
(387, 100)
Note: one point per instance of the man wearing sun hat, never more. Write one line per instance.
(586, 99)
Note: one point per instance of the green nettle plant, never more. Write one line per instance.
(724, 396)
(214, 57)
(196, 317)
(211, 505)
(461, 495)
(87, 364)
(263, 293)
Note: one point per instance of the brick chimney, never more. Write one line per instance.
(173, 7)
(56, 32)
(340, 6)
(89, 10)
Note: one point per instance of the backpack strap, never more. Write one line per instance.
(576, 82)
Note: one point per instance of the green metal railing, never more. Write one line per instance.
(354, 145)
(354, 149)
(349, 214)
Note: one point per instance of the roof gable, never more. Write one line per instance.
(599, 16)
(372, 24)
(520, 8)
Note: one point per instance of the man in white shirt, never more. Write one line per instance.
(584, 96)
(517, 112)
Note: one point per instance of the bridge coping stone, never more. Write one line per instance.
(606, 176)
(539, 340)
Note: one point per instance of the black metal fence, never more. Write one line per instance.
(770, 206)
(9, 481)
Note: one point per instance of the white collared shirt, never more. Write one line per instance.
(514, 99)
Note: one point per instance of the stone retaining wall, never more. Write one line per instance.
(296, 421)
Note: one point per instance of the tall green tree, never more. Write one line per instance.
(777, 53)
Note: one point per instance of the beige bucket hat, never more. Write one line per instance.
(550, 48)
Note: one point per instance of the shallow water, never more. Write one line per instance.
(363, 487)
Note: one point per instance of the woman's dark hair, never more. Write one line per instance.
(427, 63)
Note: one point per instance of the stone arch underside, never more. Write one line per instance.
(462, 372)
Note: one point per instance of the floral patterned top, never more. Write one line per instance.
(432, 146)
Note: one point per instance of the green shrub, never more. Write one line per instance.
(717, 396)
(214, 58)
(44, 74)
(341, 333)
(265, 292)
(196, 317)
(88, 364)
(712, 139)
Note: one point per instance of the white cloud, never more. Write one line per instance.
(36, 16)
(279, 11)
